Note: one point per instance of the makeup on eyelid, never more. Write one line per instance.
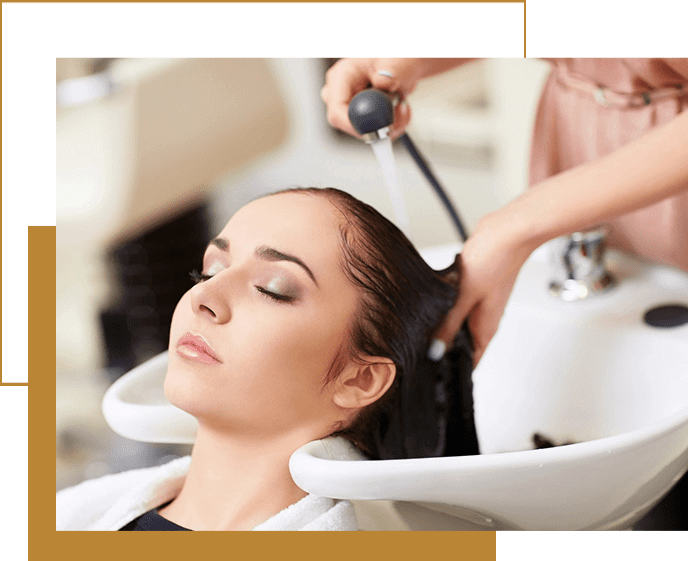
(215, 268)
(283, 287)
(279, 285)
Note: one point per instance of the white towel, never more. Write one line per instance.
(112, 501)
(313, 513)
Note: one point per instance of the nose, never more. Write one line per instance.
(210, 300)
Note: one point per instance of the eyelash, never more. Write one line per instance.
(200, 277)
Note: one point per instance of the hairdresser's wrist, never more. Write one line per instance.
(513, 232)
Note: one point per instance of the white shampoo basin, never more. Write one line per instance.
(135, 407)
(589, 372)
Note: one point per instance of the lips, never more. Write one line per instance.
(194, 347)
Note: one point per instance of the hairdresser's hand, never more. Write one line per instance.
(352, 75)
(490, 261)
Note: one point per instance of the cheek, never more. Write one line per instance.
(298, 341)
(284, 366)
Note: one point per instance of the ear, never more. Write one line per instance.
(362, 384)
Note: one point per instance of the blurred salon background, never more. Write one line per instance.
(155, 155)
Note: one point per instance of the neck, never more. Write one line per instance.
(235, 482)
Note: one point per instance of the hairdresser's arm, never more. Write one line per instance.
(351, 75)
(651, 168)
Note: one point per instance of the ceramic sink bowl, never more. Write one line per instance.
(589, 372)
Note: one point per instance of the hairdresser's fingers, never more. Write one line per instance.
(386, 81)
(395, 75)
(484, 319)
(446, 330)
(349, 76)
(402, 117)
(483, 323)
(399, 77)
(451, 324)
(344, 80)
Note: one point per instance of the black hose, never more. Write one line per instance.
(405, 139)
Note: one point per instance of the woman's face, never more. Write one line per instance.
(272, 316)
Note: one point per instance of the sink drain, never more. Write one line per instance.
(671, 315)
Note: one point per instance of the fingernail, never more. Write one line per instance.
(436, 350)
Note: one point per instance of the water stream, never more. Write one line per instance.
(385, 156)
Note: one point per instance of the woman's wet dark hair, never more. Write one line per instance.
(402, 301)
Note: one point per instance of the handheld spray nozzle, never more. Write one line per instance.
(371, 113)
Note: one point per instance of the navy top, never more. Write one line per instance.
(151, 521)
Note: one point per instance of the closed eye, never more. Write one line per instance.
(274, 296)
(282, 298)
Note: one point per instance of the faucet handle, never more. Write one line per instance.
(579, 266)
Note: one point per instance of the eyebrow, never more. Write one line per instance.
(267, 254)
(222, 243)
(270, 254)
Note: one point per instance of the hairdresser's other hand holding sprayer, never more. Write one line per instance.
(394, 75)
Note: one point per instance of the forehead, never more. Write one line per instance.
(305, 224)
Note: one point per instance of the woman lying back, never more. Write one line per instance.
(310, 318)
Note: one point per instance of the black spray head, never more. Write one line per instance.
(371, 113)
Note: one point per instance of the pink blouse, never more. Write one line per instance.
(591, 107)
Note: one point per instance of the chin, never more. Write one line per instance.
(181, 390)
(190, 389)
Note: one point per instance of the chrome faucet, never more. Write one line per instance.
(579, 266)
